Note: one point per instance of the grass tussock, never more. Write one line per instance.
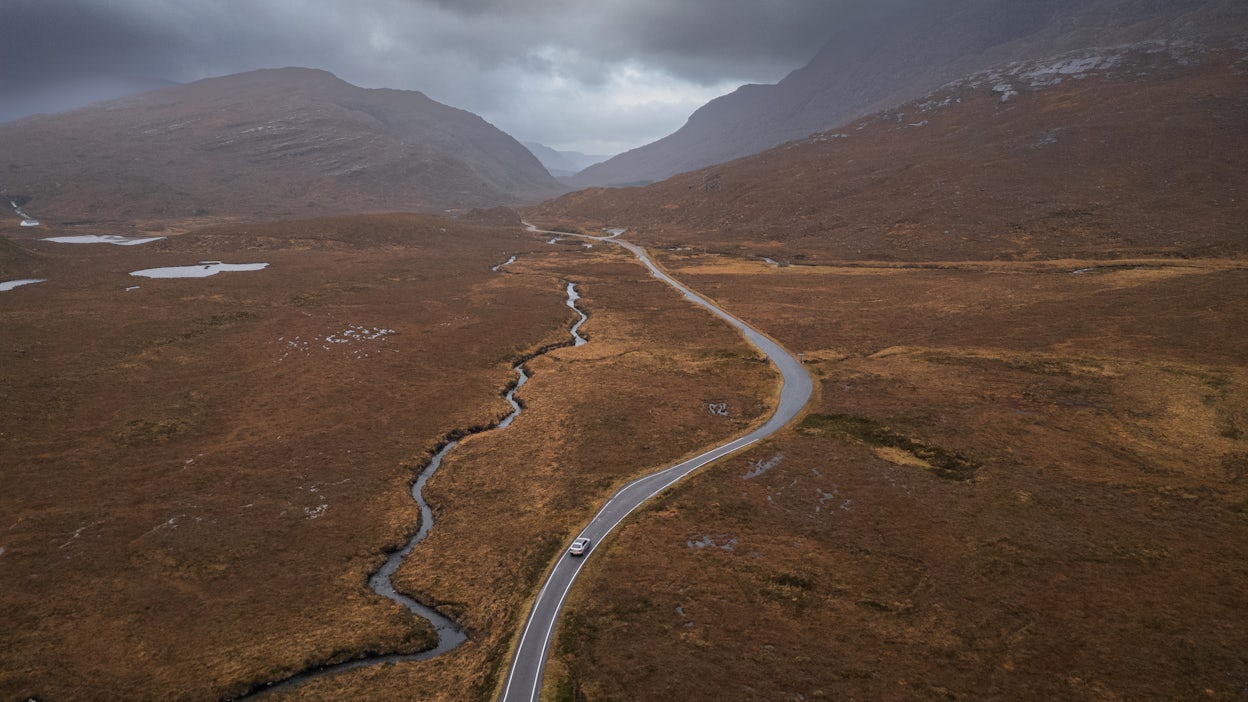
(944, 464)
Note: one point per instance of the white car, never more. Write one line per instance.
(579, 547)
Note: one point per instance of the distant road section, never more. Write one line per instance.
(524, 680)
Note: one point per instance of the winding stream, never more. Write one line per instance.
(573, 296)
(450, 634)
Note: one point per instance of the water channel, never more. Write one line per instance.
(450, 634)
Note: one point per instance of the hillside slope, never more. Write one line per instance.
(264, 143)
(889, 58)
(1136, 150)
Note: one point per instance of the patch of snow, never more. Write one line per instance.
(823, 498)
(760, 466)
(500, 266)
(270, 127)
(171, 523)
(1034, 75)
(1046, 138)
(706, 541)
(10, 284)
(354, 336)
(133, 287)
(74, 537)
(354, 333)
(555, 240)
(104, 239)
(201, 270)
(27, 220)
(934, 104)
(1045, 75)
(820, 138)
(319, 510)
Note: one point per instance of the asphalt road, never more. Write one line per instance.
(524, 679)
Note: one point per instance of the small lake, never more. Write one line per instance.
(203, 269)
(104, 239)
(5, 286)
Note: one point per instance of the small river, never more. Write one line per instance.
(450, 633)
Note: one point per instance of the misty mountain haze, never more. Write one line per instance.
(563, 163)
(60, 97)
(896, 53)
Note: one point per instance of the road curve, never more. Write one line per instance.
(524, 679)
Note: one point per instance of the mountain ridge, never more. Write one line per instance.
(1133, 151)
(927, 45)
(563, 163)
(270, 143)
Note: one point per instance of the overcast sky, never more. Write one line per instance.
(598, 76)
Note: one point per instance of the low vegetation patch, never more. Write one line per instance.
(945, 464)
(145, 432)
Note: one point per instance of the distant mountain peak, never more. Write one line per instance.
(1135, 150)
(562, 163)
(271, 142)
(900, 53)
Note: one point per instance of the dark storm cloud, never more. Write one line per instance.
(606, 74)
(44, 41)
(694, 39)
(701, 39)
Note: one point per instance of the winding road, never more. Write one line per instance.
(525, 676)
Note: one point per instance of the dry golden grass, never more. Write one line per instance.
(196, 488)
(634, 399)
(1023, 477)
(197, 484)
(1087, 539)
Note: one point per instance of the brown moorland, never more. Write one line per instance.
(1023, 477)
(659, 379)
(1017, 484)
(200, 474)
(1140, 154)
(198, 479)
(1024, 474)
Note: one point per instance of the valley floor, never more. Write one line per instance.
(1021, 481)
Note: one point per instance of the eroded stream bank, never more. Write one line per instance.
(450, 634)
